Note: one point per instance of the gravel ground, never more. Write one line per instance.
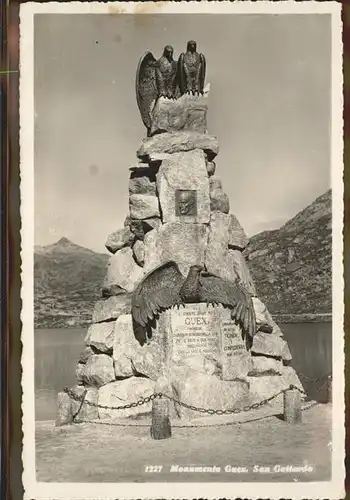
(106, 453)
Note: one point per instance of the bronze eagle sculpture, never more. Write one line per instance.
(192, 67)
(155, 78)
(165, 287)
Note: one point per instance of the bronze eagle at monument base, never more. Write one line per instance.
(165, 287)
(154, 79)
(192, 66)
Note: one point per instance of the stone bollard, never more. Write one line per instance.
(64, 410)
(161, 427)
(330, 389)
(292, 406)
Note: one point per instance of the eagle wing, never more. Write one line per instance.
(158, 290)
(202, 72)
(146, 86)
(181, 74)
(233, 295)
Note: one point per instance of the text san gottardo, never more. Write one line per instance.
(278, 468)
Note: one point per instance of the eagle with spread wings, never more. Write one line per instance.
(155, 78)
(166, 287)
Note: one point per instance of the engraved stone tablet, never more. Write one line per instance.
(195, 331)
(186, 202)
(236, 360)
(204, 331)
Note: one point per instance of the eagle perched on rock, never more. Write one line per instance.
(155, 78)
(192, 70)
(165, 287)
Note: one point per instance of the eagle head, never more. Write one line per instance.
(168, 52)
(190, 290)
(192, 46)
(197, 268)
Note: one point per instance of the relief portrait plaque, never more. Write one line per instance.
(186, 202)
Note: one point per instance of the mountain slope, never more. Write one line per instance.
(67, 283)
(292, 266)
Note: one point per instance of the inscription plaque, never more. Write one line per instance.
(186, 202)
(235, 357)
(208, 331)
(195, 330)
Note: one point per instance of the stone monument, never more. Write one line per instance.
(178, 212)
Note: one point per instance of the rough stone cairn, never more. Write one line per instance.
(177, 211)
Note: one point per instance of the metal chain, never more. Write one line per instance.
(253, 406)
(325, 384)
(311, 405)
(160, 395)
(81, 404)
(140, 402)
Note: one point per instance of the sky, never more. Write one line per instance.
(270, 107)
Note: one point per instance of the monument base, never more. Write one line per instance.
(201, 353)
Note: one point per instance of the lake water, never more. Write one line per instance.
(57, 351)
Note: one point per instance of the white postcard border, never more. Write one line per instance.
(333, 489)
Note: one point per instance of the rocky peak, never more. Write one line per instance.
(63, 241)
(320, 208)
(63, 245)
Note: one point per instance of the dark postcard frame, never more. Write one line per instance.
(11, 449)
(10, 345)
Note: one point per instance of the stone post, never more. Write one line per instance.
(161, 427)
(292, 406)
(64, 410)
(330, 389)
